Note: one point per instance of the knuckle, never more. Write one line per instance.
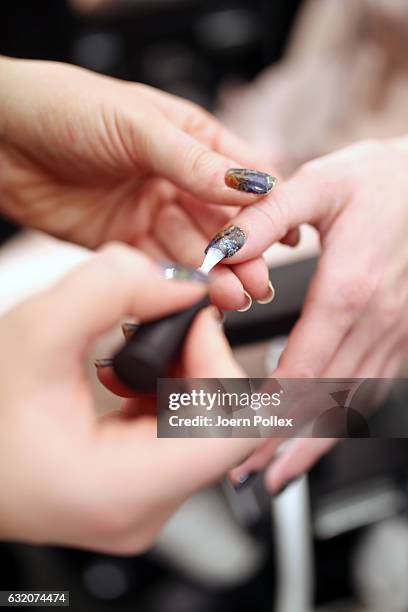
(199, 161)
(389, 312)
(352, 293)
(196, 119)
(367, 146)
(202, 126)
(115, 250)
(301, 371)
(118, 257)
(276, 216)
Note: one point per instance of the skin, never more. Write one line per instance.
(92, 159)
(354, 322)
(69, 477)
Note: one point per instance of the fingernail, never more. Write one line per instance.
(247, 305)
(271, 294)
(286, 485)
(128, 329)
(244, 480)
(228, 241)
(250, 181)
(175, 271)
(102, 363)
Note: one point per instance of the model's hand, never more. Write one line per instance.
(93, 159)
(68, 476)
(354, 322)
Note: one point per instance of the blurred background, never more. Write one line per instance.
(297, 79)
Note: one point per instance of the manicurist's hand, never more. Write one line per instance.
(354, 322)
(92, 159)
(68, 476)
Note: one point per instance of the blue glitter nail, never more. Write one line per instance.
(229, 241)
(250, 181)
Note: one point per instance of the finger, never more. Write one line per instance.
(204, 127)
(107, 377)
(209, 217)
(373, 333)
(109, 380)
(292, 238)
(310, 196)
(226, 290)
(302, 454)
(189, 164)
(299, 456)
(254, 275)
(384, 358)
(180, 468)
(152, 248)
(207, 353)
(335, 301)
(118, 281)
(259, 459)
(177, 233)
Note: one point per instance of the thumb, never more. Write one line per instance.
(201, 171)
(207, 353)
(117, 282)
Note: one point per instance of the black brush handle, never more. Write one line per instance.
(153, 348)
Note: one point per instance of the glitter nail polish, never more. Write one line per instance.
(229, 241)
(250, 181)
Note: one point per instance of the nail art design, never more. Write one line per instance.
(173, 270)
(228, 241)
(103, 363)
(250, 181)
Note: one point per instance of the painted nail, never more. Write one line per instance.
(271, 294)
(128, 329)
(175, 271)
(102, 363)
(228, 241)
(250, 181)
(248, 304)
(244, 480)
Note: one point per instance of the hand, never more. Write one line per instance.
(93, 159)
(67, 476)
(354, 322)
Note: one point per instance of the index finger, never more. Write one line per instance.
(310, 196)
